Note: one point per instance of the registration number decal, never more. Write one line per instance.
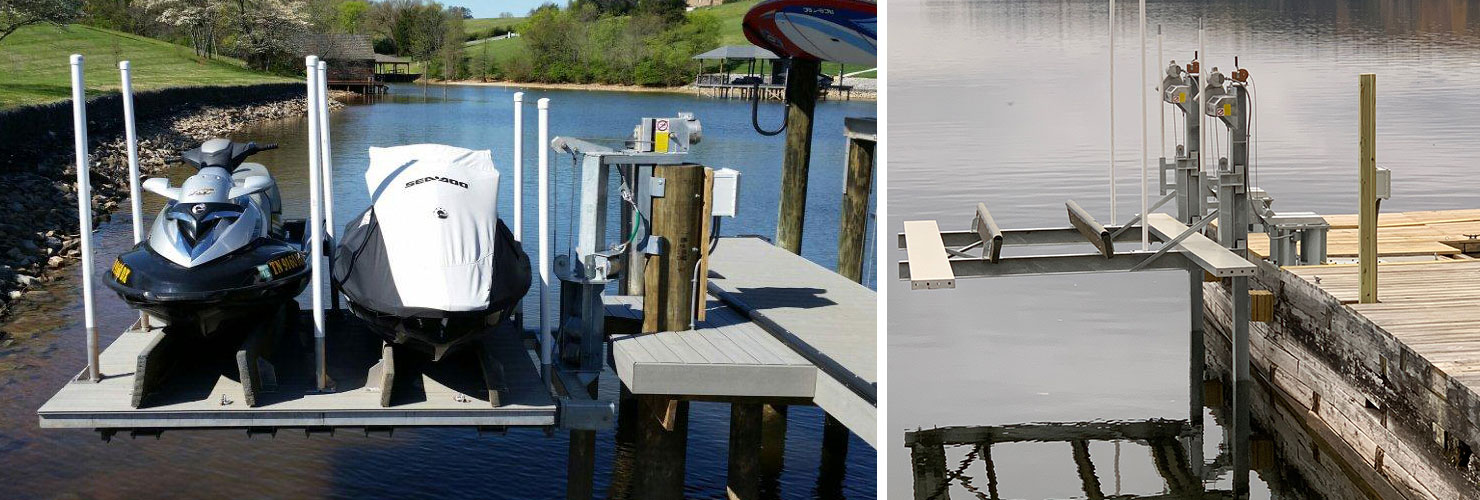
(121, 271)
(285, 264)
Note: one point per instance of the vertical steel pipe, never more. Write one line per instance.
(519, 166)
(316, 222)
(84, 214)
(547, 305)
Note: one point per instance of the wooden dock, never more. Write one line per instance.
(778, 327)
(1398, 380)
(1446, 233)
(204, 391)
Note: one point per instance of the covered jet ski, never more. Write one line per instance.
(218, 251)
(429, 264)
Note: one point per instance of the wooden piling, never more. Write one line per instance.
(660, 450)
(858, 184)
(1367, 203)
(581, 466)
(834, 461)
(801, 99)
(744, 481)
(773, 439)
(668, 285)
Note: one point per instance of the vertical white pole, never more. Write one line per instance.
(1114, 218)
(316, 223)
(327, 180)
(519, 166)
(1202, 97)
(1145, 235)
(131, 139)
(84, 214)
(327, 153)
(1162, 147)
(547, 340)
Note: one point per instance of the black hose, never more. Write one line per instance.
(755, 106)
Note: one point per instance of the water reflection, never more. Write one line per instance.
(1005, 102)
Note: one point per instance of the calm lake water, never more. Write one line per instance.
(46, 346)
(1006, 102)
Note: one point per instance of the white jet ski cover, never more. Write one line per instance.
(431, 240)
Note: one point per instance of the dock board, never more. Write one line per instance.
(826, 318)
(447, 393)
(1432, 307)
(724, 356)
(1434, 232)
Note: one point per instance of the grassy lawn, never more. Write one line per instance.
(729, 15)
(479, 26)
(34, 65)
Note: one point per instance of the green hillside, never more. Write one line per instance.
(34, 64)
(479, 26)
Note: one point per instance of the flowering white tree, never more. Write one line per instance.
(202, 21)
(15, 14)
(268, 28)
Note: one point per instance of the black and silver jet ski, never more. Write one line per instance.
(218, 251)
(429, 264)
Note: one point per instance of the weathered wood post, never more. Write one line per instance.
(580, 466)
(857, 187)
(668, 294)
(1367, 204)
(668, 291)
(801, 99)
(743, 482)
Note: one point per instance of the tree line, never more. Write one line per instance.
(631, 42)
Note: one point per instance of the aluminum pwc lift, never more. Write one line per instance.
(333, 374)
(1221, 197)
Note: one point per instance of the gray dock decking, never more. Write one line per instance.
(440, 394)
(780, 321)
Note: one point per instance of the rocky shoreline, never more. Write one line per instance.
(38, 208)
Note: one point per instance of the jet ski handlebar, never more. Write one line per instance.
(222, 153)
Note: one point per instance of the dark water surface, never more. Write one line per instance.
(1006, 102)
(45, 347)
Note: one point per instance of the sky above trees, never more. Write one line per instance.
(492, 8)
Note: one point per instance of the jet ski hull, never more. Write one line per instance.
(242, 286)
(434, 335)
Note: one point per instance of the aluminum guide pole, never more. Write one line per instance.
(131, 138)
(1202, 100)
(1145, 235)
(519, 166)
(327, 180)
(1113, 215)
(547, 340)
(1162, 147)
(326, 152)
(84, 214)
(316, 223)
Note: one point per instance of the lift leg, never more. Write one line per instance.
(1243, 383)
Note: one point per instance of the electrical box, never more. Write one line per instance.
(1384, 183)
(667, 135)
(726, 192)
(1176, 93)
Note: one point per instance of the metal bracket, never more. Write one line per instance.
(1171, 244)
(1137, 219)
(657, 186)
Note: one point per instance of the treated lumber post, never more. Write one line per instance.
(624, 460)
(801, 99)
(1367, 204)
(660, 450)
(668, 286)
(744, 482)
(854, 228)
(773, 440)
(581, 466)
(834, 458)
